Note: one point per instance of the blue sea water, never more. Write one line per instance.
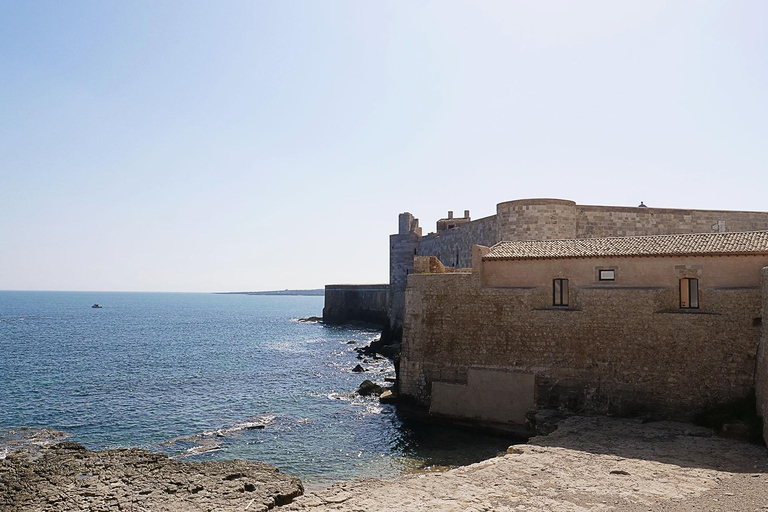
(205, 376)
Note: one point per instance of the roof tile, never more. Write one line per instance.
(748, 242)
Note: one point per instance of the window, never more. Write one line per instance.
(607, 275)
(689, 293)
(560, 292)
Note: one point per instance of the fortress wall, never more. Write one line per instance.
(761, 377)
(619, 352)
(402, 248)
(453, 247)
(345, 303)
(547, 219)
(536, 219)
(601, 221)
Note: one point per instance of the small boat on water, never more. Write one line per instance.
(96, 306)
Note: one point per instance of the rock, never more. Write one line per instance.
(311, 319)
(388, 397)
(358, 369)
(545, 421)
(738, 429)
(66, 476)
(390, 351)
(368, 388)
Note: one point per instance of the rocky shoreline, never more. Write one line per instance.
(587, 463)
(67, 477)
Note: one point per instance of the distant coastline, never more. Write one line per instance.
(316, 292)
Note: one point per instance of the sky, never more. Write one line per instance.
(205, 146)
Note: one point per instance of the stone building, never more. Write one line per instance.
(543, 219)
(665, 325)
(587, 308)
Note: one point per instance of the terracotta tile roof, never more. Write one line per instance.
(749, 242)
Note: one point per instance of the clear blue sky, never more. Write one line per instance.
(245, 145)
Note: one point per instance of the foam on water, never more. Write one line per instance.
(12, 439)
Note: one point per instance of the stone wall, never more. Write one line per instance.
(345, 303)
(402, 248)
(536, 219)
(622, 351)
(761, 377)
(453, 247)
(546, 219)
(600, 221)
(549, 219)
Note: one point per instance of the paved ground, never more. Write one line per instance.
(587, 464)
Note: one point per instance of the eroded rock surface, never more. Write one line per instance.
(67, 477)
(587, 464)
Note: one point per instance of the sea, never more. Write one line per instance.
(210, 377)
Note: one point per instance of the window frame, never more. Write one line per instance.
(600, 274)
(689, 293)
(561, 296)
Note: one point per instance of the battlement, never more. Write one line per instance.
(452, 222)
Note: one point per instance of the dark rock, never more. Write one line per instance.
(311, 319)
(358, 369)
(368, 388)
(390, 351)
(69, 445)
(545, 421)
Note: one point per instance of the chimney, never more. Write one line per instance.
(466, 214)
(450, 214)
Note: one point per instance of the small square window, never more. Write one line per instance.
(607, 275)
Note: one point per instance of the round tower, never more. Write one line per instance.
(536, 219)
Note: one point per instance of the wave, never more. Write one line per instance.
(212, 440)
(255, 424)
(18, 438)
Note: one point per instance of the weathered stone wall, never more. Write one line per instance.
(600, 221)
(402, 249)
(453, 247)
(547, 219)
(622, 350)
(536, 219)
(346, 303)
(761, 377)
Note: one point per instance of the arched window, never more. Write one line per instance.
(689, 293)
